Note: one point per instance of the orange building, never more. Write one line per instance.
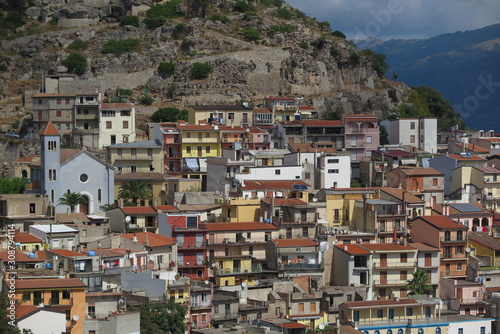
(447, 235)
(65, 294)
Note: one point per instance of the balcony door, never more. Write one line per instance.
(383, 260)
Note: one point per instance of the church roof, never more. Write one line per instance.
(49, 130)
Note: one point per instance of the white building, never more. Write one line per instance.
(57, 236)
(117, 124)
(416, 132)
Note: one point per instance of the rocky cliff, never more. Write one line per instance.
(292, 55)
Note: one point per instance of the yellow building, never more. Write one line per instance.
(66, 294)
(239, 210)
(29, 242)
(239, 115)
(139, 156)
(485, 246)
(340, 203)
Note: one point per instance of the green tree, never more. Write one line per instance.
(171, 89)
(153, 23)
(169, 115)
(166, 69)
(5, 327)
(251, 34)
(243, 6)
(167, 317)
(118, 48)
(339, 33)
(419, 285)
(167, 10)
(14, 185)
(356, 183)
(72, 200)
(377, 60)
(201, 70)
(130, 20)
(135, 190)
(76, 63)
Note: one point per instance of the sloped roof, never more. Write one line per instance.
(484, 239)
(47, 283)
(66, 252)
(20, 257)
(469, 157)
(423, 247)
(353, 249)
(316, 122)
(153, 239)
(417, 171)
(465, 207)
(69, 218)
(142, 176)
(386, 247)
(488, 170)
(49, 130)
(138, 210)
(396, 153)
(310, 148)
(441, 222)
(26, 238)
(29, 158)
(166, 208)
(398, 194)
(294, 242)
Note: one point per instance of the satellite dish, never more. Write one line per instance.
(213, 264)
(321, 326)
(206, 282)
(177, 277)
(467, 249)
(128, 219)
(152, 257)
(76, 317)
(247, 130)
(244, 284)
(257, 282)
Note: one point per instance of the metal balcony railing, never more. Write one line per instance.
(237, 271)
(394, 264)
(390, 282)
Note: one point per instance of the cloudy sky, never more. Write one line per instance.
(386, 19)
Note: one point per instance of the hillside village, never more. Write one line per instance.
(245, 215)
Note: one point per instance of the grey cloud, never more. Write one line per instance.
(401, 18)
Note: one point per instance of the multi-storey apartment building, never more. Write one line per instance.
(361, 135)
(420, 133)
(117, 124)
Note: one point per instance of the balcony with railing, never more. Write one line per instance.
(224, 316)
(191, 244)
(451, 239)
(299, 266)
(238, 271)
(394, 265)
(192, 264)
(390, 282)
(454, 256)
(445, 273)
(197, 305)
(240, 241)
(60, 302)
(419, 320)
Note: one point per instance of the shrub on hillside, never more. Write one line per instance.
(78, 45)
(129, 21)
(118, 48)
(76, 63)
(221, 18)
(166, 69)
(201, 70)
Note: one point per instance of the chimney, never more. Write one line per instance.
(345, 248)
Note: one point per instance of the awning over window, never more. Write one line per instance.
(192, 163)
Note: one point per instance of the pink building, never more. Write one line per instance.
(474, 215)
(361, 135)
(464, 296)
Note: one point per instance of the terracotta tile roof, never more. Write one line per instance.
(142, 176)
(440, 222)
(254, 129)
(419, 171)
(294, 243)
(491, 139)
(68, 153)
(439, 208)
(22, 310)
(219, 107)
(240, 226)
(54, 95)
(20, 257)
(262, 110)
(375, 303)
(488, 170)
(48, 283)
(238, 129)
(484, 239)
(26, 238)
(353, 249)
(398, 194)
(272, 185)
(359, 118)
(69, 218)
(49, 130)
(29, 158)
(166, 208)
(470, 157)
(66, 252)
(474, 148)
(314, 122)
(153, 239)
(130, 210)
(311, 108)
(396, 153)
(108, 106)
(285, 201)
(189, 127)
(423, 247)
(105, 253)
(386, 247)
(292, 325)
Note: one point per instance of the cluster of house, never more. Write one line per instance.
(253, 221)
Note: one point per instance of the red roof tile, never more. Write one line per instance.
(271, 185)
(386, 247)
(419, 171)
(353, 249)
(484, 239)
(470, 157)
(440, 222)
(240, 226)
(398, 194)
(24, 310)
(294, 243)
(292, 325)
(262, 110)
(153, 239)
(49, 283)
(138, 210)
(189, 127)
(474, 148)
(108, 106)
(29, 158)
(166, 208)
(423, 247)
(20, 257)
(66, 253)
(488, 170)
(26, 238)
(314, 122)
(49, 130)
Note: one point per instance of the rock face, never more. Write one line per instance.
(305, 61)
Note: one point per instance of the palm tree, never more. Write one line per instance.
(72, 200)
(135, 190)
(419, 285)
